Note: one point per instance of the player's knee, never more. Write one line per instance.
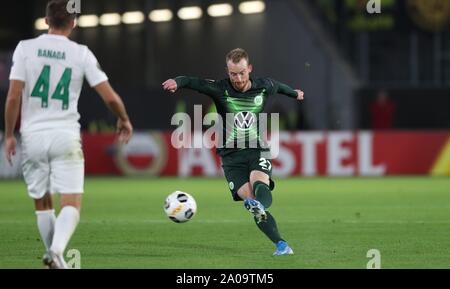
(257, 176)
(44, 203)
(72, 200)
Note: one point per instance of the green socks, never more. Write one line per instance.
(262, 193)
(264, 196)
(269, 228)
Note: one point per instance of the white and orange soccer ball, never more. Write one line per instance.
(180, 207)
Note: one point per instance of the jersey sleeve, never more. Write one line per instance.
(18, 64)
(278, 87)
(206, 86)
(92, 70)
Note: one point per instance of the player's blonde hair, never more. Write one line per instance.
(236, 55)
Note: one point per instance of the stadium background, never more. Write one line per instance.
(338, 53)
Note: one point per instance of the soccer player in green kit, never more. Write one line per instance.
(247, 172)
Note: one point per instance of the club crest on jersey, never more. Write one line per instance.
(258, 100)
(244, 120)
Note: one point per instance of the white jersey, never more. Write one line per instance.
(53, 68)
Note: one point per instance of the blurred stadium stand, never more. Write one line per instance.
(339, 54)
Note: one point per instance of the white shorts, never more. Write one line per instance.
(52, 161)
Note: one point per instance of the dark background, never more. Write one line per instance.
(337, 52)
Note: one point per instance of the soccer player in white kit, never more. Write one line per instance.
(45, 82)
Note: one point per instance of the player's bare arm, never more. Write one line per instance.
(12, 108)
(115, 104)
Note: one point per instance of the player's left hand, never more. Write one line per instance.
(300, 94)
(124, 130)
(10, 148)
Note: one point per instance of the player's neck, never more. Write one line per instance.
(65, 33)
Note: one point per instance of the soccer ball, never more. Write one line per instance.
(180, 207)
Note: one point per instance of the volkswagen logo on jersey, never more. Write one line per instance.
(244, 120)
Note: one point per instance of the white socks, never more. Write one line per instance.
(46, 225)
(65, 225)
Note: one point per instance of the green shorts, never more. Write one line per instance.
(237, 167)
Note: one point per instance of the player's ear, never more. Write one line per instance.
(46, 21)
(74, 23)
(250, 68)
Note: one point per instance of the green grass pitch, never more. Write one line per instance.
(329, 222)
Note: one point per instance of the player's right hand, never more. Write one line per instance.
(124, 130)
(10, 148)
(170, 85)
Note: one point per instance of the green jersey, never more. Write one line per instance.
(240, 111)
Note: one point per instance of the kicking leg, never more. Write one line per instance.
(252, 205)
